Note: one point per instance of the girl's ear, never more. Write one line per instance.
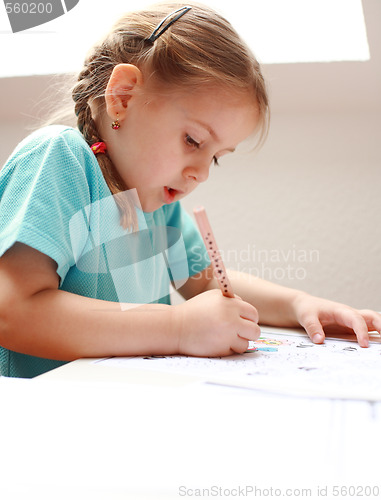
(124, 81)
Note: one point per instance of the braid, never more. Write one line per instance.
(88, 128)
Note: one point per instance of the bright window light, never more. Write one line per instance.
(278, 31)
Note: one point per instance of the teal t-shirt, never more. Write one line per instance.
(53, 197)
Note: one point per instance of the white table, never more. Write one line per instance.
(83, 431)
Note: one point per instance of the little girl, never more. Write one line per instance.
(91, 229)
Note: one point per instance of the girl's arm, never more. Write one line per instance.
(273, 302)
(281, 306)
(37, 318)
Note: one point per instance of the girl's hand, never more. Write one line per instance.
(213, 325)
(315, 315)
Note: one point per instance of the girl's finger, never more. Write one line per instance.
(354, 320)
(314, 329)
(239, 345)
(372, 319)
(249, 312)
(249, 330)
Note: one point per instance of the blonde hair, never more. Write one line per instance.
(200, 49)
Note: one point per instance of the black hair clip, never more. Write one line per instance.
(158, 31)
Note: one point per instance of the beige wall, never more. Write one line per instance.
(306, 208)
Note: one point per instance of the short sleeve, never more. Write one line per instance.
(43, 184)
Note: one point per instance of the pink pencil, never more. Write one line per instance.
(214, 253)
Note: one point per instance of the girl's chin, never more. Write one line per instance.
(151, 205)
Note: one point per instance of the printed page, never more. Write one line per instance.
(283, 363)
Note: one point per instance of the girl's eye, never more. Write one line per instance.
(194, 144)
(191, 142)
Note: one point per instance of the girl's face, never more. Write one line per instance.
(166, 145)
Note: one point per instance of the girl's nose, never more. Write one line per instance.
(198, 173)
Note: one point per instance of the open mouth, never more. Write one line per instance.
(170, 194)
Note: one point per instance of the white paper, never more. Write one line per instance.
(285, 363)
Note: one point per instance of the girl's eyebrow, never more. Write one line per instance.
(212, 133)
